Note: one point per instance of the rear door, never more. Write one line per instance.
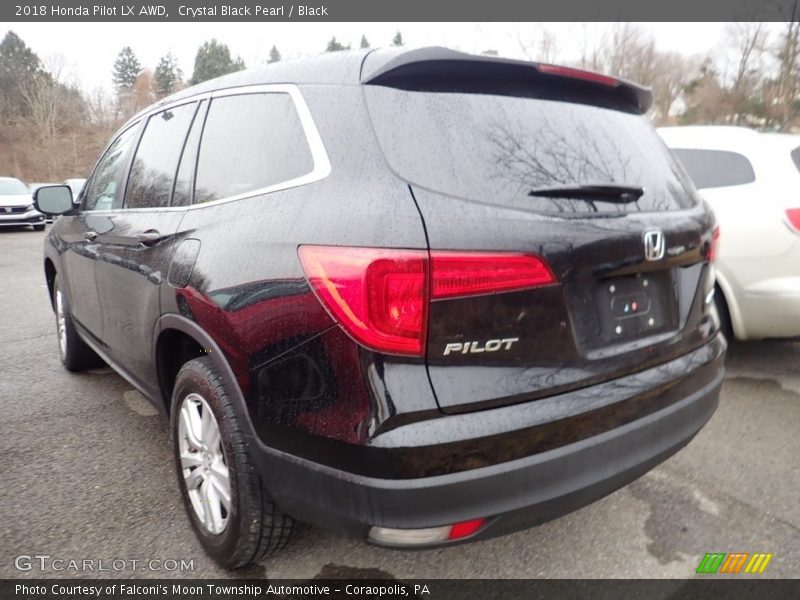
(485, 167)
(137, 246)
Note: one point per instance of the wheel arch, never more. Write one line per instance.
(734, 313)
(176, 329)
(50, 277)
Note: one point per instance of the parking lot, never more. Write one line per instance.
(87, 474)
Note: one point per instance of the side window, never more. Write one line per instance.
(156, 160)
(108, 173)
(250, 141)
(182, 194)
(796, 157)
(715, 168)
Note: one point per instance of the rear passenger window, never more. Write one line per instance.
(156, 160)
(250, 142)
(715, 168)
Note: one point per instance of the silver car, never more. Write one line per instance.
(16, 205)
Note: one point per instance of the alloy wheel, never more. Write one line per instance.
(203, 463)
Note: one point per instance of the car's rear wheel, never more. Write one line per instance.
(75, 354)
(226, 500)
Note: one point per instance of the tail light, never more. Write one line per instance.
(713, 247)
(793, 214)
(380, 296)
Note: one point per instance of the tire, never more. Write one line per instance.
(251, 527)
(724, 315)
(75, 354)
(38, 227)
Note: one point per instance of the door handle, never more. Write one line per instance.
(90, 236)
(149, 238)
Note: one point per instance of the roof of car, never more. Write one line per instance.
(331, 68)
(705, 132)
(724, 137)
(354, 66)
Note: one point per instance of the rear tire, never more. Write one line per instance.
(75, 354)
(724, 315)
(226, 500)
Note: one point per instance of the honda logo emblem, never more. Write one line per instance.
(654, 246)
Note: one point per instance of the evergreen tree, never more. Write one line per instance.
(20, 68)
(335, 46)
(213, 60)
(398, 39)
(274, 55)
(364, 42)
(126, 69)
(167, 76)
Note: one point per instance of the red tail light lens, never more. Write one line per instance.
(713, 248)
(578, 74)
(377, 295)
(380, 296)
(793, 214)
(472, 273)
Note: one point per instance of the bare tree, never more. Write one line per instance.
(540, 45)
(629, 51)
(143, 93)
(748, 40)
(671, 74)
(44, 100)
(787, 53)
(590, 49)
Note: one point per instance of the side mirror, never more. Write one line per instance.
(53, 200)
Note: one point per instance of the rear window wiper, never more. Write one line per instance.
(607, 192)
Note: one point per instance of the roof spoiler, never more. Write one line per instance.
(443, 70)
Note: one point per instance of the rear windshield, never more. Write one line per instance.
(10, 187)
(496, 149)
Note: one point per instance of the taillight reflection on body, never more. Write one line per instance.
(380, 296)
(713, 247)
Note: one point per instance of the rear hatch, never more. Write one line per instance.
(512, 157)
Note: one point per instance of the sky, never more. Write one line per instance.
(86, 51)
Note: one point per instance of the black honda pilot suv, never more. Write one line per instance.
(419, 297)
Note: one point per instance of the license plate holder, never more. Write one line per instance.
(636, 306)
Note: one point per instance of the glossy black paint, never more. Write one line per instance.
(153, 286)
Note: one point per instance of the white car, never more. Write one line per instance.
(752, 182)
(16, 205)
(76, 185)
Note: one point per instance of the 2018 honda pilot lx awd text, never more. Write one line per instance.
(420, 297)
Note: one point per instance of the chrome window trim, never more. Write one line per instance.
(319, 156)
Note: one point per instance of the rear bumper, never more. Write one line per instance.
(518, 493)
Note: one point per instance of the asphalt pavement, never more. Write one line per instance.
(86, 474)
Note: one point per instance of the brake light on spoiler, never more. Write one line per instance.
(577, 74)
(380, 296)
